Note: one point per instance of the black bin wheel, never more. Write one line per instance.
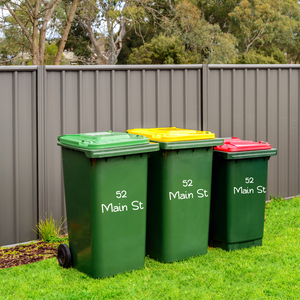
(64, 256)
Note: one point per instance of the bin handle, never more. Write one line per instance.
(84, 143)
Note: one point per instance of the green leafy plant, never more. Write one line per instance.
(276, 198)
(49, 229)
(61, 239)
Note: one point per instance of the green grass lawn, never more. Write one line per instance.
(268, 272)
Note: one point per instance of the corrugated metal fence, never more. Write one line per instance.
(261, 103)
(40, 103)
(18, 154)
(92, 99)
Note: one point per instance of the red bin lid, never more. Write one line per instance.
(235, 145)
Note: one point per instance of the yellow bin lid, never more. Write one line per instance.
(172, 134)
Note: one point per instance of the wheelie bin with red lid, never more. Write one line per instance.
(239, 187)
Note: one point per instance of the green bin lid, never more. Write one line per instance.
(107, 144)
(100, 140)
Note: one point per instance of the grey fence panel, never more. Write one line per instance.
(104, 107)
(18, 155)
(87, 99)
(294, 132)
(258, 102)
(135, 99)
(149, 99)
(163, 112)
(39, 103)
(272, 128)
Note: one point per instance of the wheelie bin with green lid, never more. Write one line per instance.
(105, 180)
(179, 185)
(239, 187)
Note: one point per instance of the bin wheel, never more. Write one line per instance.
(64, 256)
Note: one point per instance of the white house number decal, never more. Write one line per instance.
(188, 182)
(249, 180)
(121, 194)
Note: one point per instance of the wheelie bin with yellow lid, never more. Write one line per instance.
(105, 180)
(179, 188)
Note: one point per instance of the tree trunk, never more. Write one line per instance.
(35, 46)
(42, 41)
(101, 58)
(116, 46)
(64, 37)
(111, 42)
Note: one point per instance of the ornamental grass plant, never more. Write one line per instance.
(49, 229)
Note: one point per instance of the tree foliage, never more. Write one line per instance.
(253, 57)
(163, 50)
(136, 36)
(208, 40)
(258, 23)
(33, 19)
(144, 31)
(107, 23)
(51, 53)
(79, 41)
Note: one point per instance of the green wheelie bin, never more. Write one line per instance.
(239, 186)
(105, 180)
(179, 185)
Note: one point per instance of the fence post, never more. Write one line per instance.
(204, 97)
(41, 209)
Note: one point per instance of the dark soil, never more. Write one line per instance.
(26, 254)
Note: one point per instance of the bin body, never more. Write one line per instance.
(106, 209)
(239, 184)
(179, 185)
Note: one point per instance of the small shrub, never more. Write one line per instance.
(163, 50)
(50, 229)
(274, 199)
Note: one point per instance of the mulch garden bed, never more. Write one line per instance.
(27, 254)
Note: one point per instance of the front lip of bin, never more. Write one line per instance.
(101, 140)
(115, 151)
(246, 154)
(189, 144)
(236, 145)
